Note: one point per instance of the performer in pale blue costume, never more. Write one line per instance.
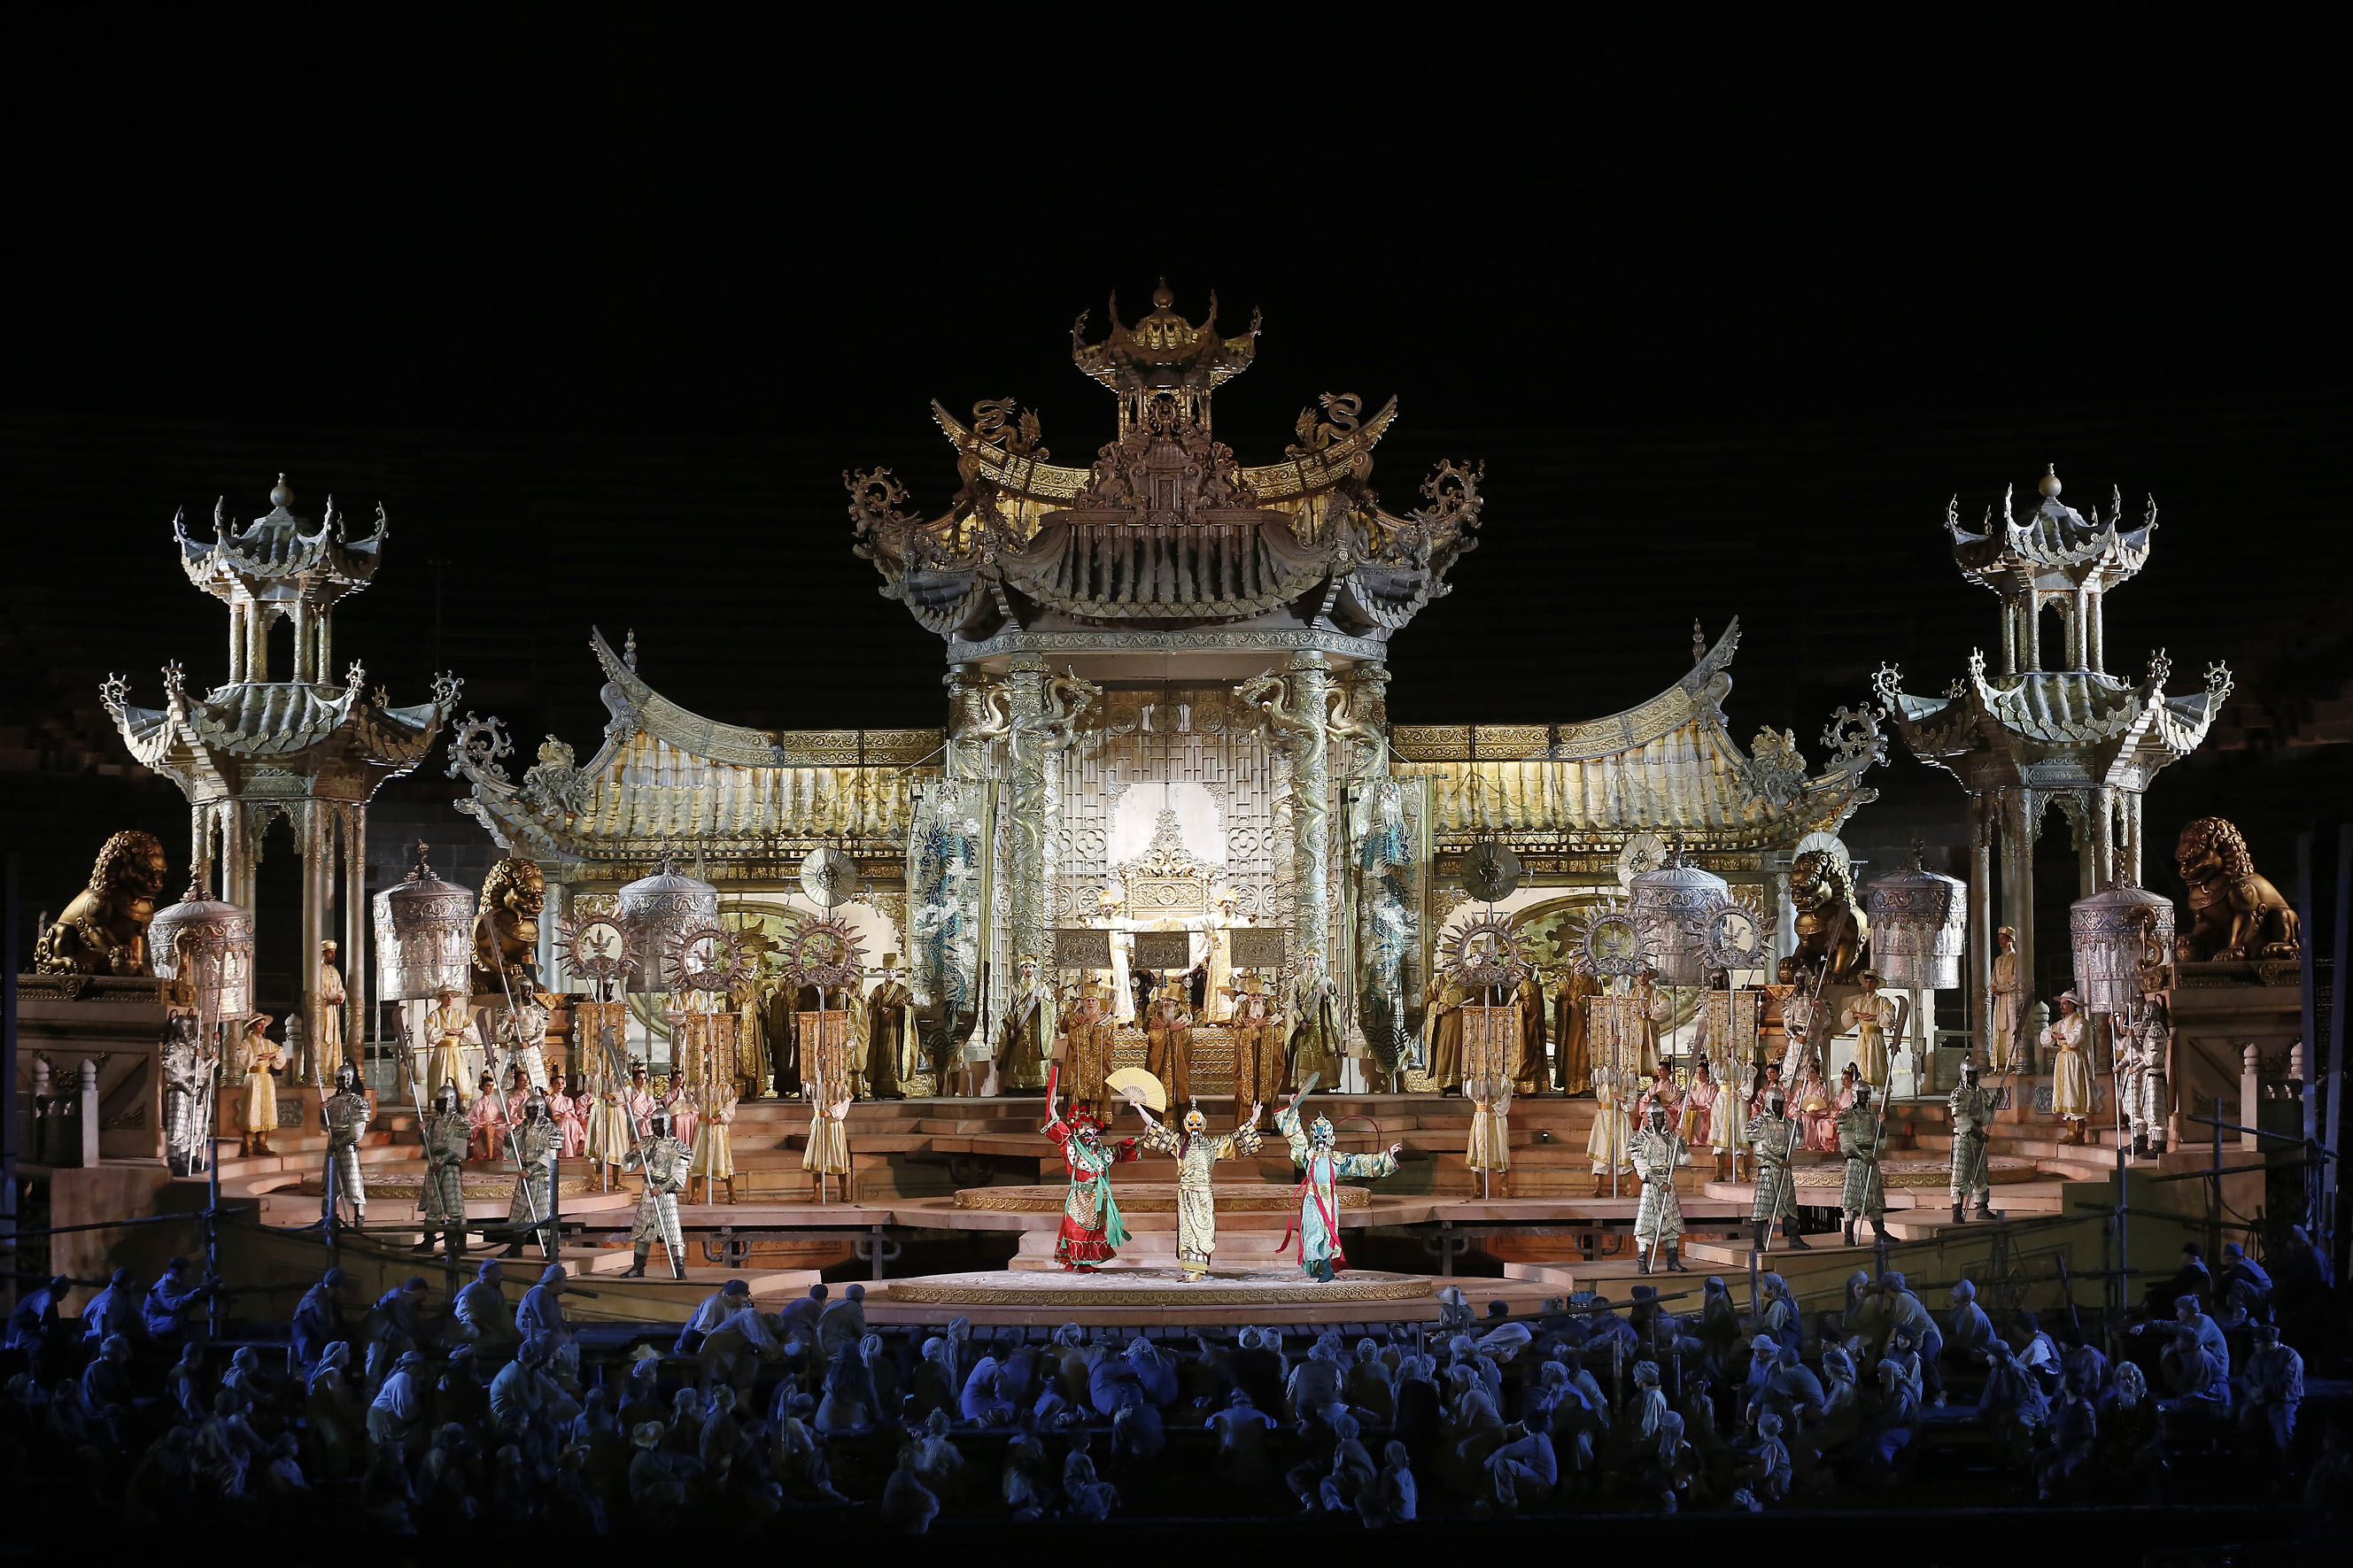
(1320, 1166)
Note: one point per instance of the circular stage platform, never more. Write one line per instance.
(409, 1188)
(1153, 1198)
(1155, 1287)
(1912, 1172)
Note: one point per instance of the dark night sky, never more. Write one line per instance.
(600, 309)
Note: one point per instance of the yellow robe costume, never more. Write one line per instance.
(1197, 1206)
(1870, 1015)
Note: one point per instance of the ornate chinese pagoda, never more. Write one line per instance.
(1167, 672)
(2028, 738)
(307, 748)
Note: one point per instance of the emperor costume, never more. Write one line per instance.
(1320, 1166)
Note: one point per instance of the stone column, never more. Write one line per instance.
(316, 840)
(303, 668)
(2018, 885)
(237, 641)
(2033, 610)
(1025, 804)
(2129, 852)
(2009, 639)
(2095, 633)
(355, 932)
(2103, 838)
(324, 665)
(1981, 942)
(1311, 816)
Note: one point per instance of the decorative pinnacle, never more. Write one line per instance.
(2050, 485)
(281, 495)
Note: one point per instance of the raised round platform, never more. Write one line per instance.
(1153, 1198)
(2000, 1170)
(1159, 1287)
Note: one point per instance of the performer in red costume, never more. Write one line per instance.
(1092, 1228)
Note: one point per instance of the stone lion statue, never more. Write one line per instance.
(104, 930)
(1832, 938)
(2235, 913)
(506, 928)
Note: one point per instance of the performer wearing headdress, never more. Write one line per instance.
(1659, 1221)
(891, 1057)
(1774, 1135)
(610, 1131)
(444, 1131)
(1316, 1033)
(448, 1025)
(638, 1102)
(1572, 1057)
(2009, 1009)
(1441, 1031)
(2146, 1044)
(344, 1116)
(2071, 1070)
(571, 1116)
(1021, 1036)
(523, 1031)
(1087, 1031)
(331, 996)
(1534, 1074)
(1092, 1227)
(1871, 1017)
(1320, 1166)
(1258, 1040)
(1168, 1034)
(1699, 1108)
(663, 1159)
(1972, 1107)
(1861, 1197)
(1196, 1156)
(1656, 1008)
(486, 1120)
(1613, 1129)
(531, 1207)
(263, 1059)
(714, 1152)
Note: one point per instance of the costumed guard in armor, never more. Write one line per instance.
(1087, 1030)
(533, 1141)
(663, 1159)
(1774, 1136)
(1972, 1106)
(1861, 1197)
(1196, 1156)
(2071, 1067)
(2141, 1076)
(1022, 1037)
(441, 1201)
(344, 1118)
(187, 1073)
(1320, 1166)
(1092, 1227)
(329, 1053)
(1659, 1221)
(523, 1032)
(448, 1025)
(1168, 1034)
(264, 1060)
(1258, 1040)
(1315, 1034)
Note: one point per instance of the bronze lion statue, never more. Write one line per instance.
(2235, 913)
(506, 928)
(104, 930)
(1830, 932)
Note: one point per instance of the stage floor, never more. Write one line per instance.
(1160, 1295)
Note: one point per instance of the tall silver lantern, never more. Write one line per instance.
(207, 945)
(424, 936)
(2115, 935)
(1920, 920)
(657, 911)
(1672, 906)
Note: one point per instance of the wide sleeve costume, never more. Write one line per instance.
(1318, 1222)
(1092, 1227)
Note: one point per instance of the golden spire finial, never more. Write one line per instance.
(1161, 296)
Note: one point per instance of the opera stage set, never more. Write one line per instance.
(1168, 834)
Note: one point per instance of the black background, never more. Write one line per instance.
(600, 303)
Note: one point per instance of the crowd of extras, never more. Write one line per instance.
(493, 1413)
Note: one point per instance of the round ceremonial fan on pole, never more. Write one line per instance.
(1138, 1086)
(828, 877)
(1643, 852)
(1490, 870)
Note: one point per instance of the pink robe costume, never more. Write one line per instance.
(570, 1125)
(486, 1122)
(640, 1106)
(682, 1115)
